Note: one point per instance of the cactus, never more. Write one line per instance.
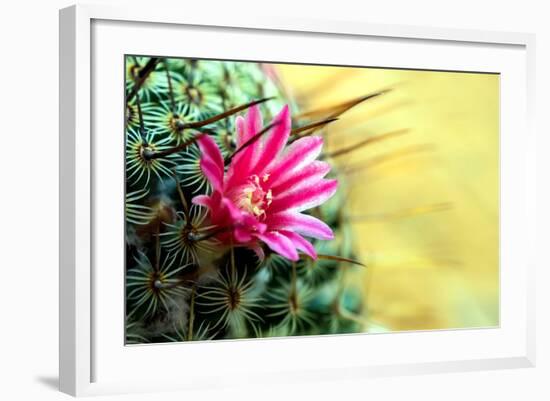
(204, 258)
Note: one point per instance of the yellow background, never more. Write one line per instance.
(426, 220)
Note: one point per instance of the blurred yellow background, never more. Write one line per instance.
(424, 205)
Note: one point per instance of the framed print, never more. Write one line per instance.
(240, 193)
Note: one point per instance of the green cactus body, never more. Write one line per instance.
(182, 282)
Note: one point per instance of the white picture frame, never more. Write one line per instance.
(83, 336)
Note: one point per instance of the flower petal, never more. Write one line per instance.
(247, 227)
(211, 161)
(299, 154)
(301, 223)
(307, 176)
(233, 212)
(242, 235)
(210, 150)
(305, 198)
(250, 125)
(254, 122)
(301, 243)
(223, 214)
(275, 140)
(242, 164)
(202, 200)
(212, 174)
(240, 129)
(280, 244)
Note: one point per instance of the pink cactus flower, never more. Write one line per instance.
(261, 197)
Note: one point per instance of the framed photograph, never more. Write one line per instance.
(249, 198)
